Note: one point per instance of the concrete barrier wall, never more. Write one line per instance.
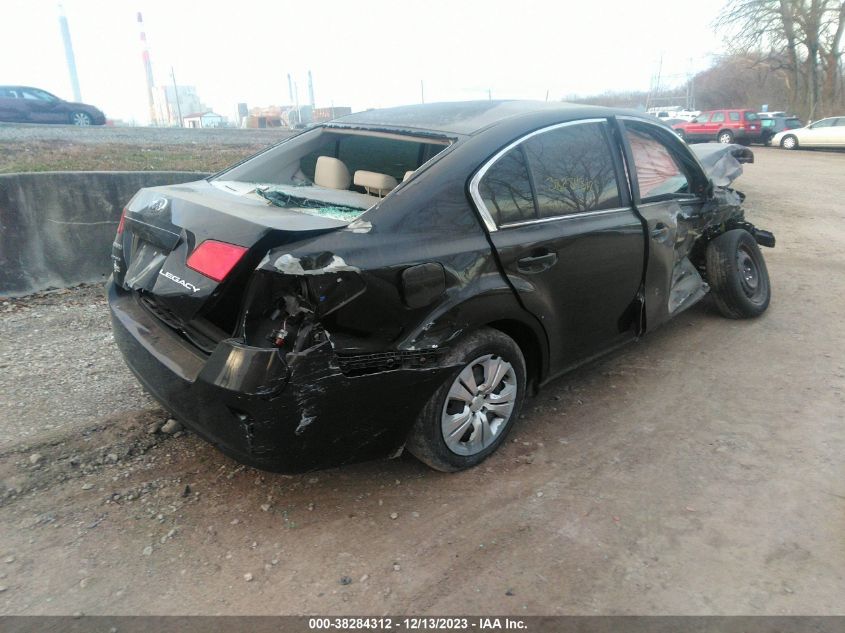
(56, 228)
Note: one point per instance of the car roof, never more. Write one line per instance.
(25, 87)
(462, 118)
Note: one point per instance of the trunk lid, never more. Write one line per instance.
(164, 225)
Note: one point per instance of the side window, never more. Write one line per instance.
(718, 117)
(573, 170)
(822, 123)
(658, 172)
(703, 118)
(840, 122)
(506, 189)
(734, 116)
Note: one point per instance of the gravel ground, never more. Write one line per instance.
(699, 471)
(20, 133)
(59, 368)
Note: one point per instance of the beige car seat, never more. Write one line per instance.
(331, 173)
(374, 183)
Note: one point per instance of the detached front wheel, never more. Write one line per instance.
(738, 275)
(470, 415)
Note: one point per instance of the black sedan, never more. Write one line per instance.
(404, 277)
(23, 104)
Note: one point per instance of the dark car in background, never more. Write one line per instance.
(723, 126)
(404, 277)
(24, 104)
(772, 125)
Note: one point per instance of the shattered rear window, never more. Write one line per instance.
(308, 205)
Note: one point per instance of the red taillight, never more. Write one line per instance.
(122, 220)
(215, 259)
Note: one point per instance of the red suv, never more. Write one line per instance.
(724, 126)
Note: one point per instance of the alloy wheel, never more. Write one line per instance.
(80, 118)
(479, 405)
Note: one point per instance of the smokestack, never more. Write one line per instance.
(311, 90)
(290, 89)
(148, 69)
(69, 56)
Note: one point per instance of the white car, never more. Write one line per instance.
(829, 132)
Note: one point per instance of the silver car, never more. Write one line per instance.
(829, 132)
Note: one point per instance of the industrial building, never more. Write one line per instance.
(175, 102)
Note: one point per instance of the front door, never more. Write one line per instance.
(567, 236)
(43, 107)
(697, 129)
(818, 134)
(669, 192)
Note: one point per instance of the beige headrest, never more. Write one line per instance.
(331, 173)
(407, 175)
(374, 182)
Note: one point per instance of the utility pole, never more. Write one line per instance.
(69, 56)
(489, 94)
(422, 92)
(176, 95)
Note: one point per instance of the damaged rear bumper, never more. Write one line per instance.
(289, 413)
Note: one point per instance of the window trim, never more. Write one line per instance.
(484, 212)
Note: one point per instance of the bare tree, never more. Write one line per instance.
(806, 34)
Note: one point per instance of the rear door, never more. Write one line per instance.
(11, 108)
(566, 235)
(668, 188)
(714, 125)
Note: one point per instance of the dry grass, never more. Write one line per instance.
(65, 156)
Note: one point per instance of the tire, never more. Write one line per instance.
(80, 118)
(790, 141)
(429, 440)
(726, 137)
(738, 276)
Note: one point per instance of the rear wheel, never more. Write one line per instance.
(738, 275)
(470, 415)
(789, 142)
(80, 118)
(726, 137)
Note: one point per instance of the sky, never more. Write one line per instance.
(362, 54)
